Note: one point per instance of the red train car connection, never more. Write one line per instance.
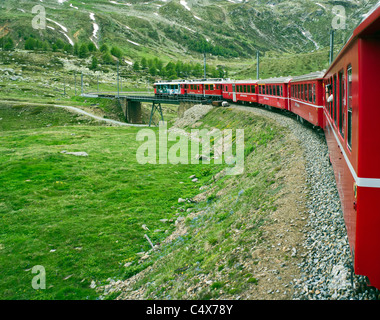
(274, 92)
(352, 118)
(245, 90)
(306, 97)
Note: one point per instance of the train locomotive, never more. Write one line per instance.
(343, 101)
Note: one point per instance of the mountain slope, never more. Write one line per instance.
(184, 29)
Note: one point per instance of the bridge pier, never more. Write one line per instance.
(132, 111)
(155, 107)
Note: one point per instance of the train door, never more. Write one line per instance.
(234, 92)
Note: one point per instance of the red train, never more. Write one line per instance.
(344, 102)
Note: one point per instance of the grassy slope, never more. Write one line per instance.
(210, 256)
(89, 210)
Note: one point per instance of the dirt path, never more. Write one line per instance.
(76, 110)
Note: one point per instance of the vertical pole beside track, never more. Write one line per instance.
(118, 89)
(331, 46)
(258, 66)
(81, 82)
(204, 65)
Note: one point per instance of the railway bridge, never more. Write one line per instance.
(131, 104)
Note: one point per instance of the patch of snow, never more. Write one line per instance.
(121, 4)
(58, 24)
(95, 29)
(71, 5)
(128, 62)
(68, 38)
(184, 3)
(189, 29)
(321, 5)
(197, 18)
(135, 43)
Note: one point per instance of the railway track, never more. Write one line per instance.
(327, 265)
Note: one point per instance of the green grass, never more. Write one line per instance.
(78, 217)
(218, 239)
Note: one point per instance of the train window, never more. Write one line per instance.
(278, 90)
(342, 103)
(329, 94)
(253, 89)
(310, 93)
(249, 89)
(334, 101)
(299, 91)
(245, 89)
(349, 106)
(314, 93)
(211, 87)
(281, 93)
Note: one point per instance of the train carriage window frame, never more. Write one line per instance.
(335, 118)
(314, 93)
(342, 103)
(349, 106)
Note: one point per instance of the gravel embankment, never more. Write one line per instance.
(326, 266)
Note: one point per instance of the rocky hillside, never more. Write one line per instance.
(233, 28)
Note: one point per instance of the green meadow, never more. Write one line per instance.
(84, 219)
(79, 217)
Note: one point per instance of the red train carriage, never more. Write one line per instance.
(306, 97)
(245, 90)
(352, 120)
(274, 92)
(210, 89)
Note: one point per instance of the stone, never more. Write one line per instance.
(77, 154)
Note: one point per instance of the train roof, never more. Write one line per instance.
(244, 81)
(310, 76)
(193, 81)
(275, 80)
